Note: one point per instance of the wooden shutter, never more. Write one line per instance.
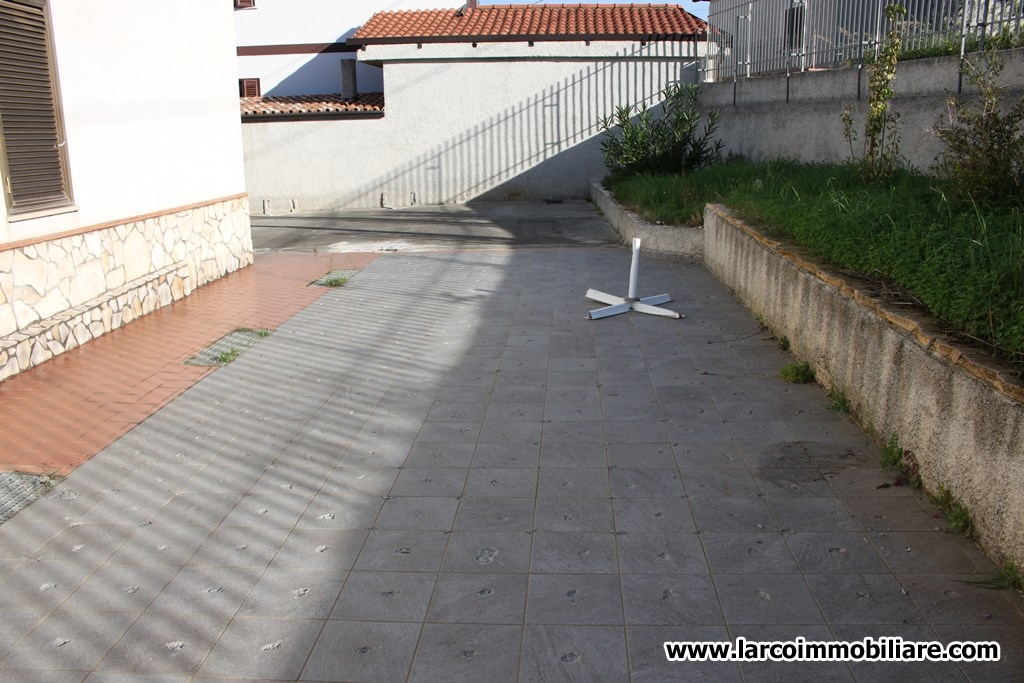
(248, 87)
(36, 175)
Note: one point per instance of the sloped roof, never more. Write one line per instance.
(530, 22)
(309, 105)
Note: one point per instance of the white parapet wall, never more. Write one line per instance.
(60, 292)
(961, 417)
(799, 117)
(496, 122)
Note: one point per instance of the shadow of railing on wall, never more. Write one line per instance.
(557, 119)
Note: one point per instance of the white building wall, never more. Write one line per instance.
(304, 22)
(500, 121)
(149, 96)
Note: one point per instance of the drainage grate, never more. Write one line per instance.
(225, 349)
(17, 491)
(334, 275)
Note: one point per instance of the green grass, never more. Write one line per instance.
(1011, 575)
(962, 262)
(797, 373)
(1005, 40)
(958, 516)
(901, 463)
(1008, 577)
(838, 401)
(335, 281)
(260, 332)
(673, 199)
(227, 356)
(892, 454)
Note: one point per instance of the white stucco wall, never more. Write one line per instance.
(306, 74)
(149, 97)
(500, 121)
(301, 22)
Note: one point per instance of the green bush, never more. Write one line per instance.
(637, 141)
(983, 138)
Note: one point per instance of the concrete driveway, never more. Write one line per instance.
(435, 227)
(442, 471)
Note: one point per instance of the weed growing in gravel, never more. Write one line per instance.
(227, 356)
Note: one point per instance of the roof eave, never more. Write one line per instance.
(547, 37)
(305, 116)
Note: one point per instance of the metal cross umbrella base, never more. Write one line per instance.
(618, 304)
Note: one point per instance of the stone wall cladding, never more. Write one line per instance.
(58, 294)
(961, 417)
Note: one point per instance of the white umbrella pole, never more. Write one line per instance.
(634, 269)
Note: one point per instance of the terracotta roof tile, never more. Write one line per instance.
(298, 105)
(540, 22)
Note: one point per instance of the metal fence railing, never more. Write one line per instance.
(759, 37)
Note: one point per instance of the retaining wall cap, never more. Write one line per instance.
(921, 326)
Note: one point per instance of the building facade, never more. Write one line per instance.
(123, 192)
(492, 103)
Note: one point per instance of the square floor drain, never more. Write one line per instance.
(227, 348)
(335, 278)
(17, 491)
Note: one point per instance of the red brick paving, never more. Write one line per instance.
(57, 415)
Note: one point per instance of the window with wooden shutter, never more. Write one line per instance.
(35, 177)
(248, 87)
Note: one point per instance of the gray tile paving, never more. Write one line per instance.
(444, 472)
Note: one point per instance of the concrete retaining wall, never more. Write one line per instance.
(656, 240)
(961, 418)
(58, 293)
(799, 117)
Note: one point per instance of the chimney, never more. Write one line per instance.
(349, 88)
(470, 4)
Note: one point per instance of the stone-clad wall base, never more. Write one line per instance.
(58, 294)
(961, 417)
(79, 324)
